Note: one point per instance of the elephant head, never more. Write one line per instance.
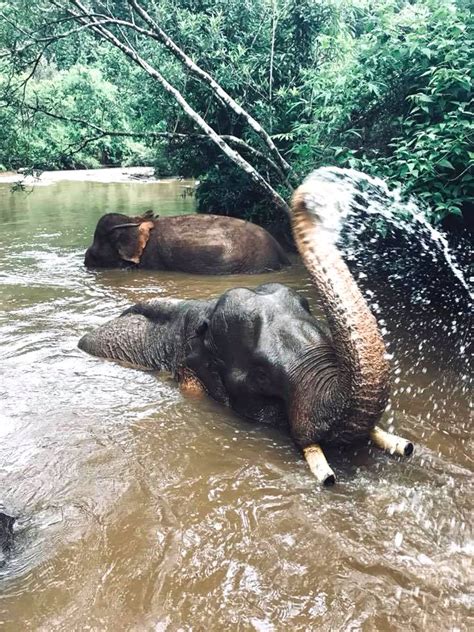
(262, 353)
(119, 241)
(254, 352)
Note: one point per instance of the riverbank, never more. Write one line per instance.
(104, 175)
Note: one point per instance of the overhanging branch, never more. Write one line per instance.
(161, 36)
(104, 132)
(84, 18)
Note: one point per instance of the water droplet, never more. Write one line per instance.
(398, 539)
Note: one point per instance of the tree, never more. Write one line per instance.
(232, 92)
(113, 28)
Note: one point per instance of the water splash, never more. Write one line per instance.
(340, 194)
(416, 289)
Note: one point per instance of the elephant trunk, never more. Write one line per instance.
(154, 335)
(126, 338)
(149, 335)
(355, 393)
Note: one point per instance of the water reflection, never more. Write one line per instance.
(140, 509)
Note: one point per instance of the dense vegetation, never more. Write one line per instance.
(381, 87)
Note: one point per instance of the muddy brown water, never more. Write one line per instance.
(140, 509)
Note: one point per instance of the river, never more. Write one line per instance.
(141, 509)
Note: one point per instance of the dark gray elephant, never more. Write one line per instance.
(262, 353)
(200, 244)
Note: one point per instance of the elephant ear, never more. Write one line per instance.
(131, 240)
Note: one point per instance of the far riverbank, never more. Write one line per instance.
(103, 175)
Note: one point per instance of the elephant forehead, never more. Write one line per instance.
(266, 318)
(280, 299)
(242, 309)
(108, 221)
(268, 299)
(275, 291)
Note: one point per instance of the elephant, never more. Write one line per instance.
(200, 244)
(263, 354)
(6, 536)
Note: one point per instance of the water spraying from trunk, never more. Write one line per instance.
(394, 253)
(344, 193)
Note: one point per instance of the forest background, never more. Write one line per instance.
(383, 87)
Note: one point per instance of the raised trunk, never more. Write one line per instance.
(357, 390)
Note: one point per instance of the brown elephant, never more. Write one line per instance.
(262, 353)
(200, 244)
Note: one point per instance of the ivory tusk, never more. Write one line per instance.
(318, 464)
(390, 442)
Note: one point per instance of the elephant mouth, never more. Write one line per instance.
(190, 384)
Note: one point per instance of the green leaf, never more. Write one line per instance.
(445, 163)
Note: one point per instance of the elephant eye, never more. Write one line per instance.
(202, 328)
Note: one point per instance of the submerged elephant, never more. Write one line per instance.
(262, 353)
(200, 244)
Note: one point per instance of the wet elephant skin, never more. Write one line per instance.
(199, 244)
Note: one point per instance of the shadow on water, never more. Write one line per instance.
(141, 509)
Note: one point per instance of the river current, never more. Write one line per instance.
(142, 509)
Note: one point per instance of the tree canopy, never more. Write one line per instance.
(248, 96)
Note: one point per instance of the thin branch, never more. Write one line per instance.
(103, 132)
(68, 33)
(36, 63)
(83, 144)
(225, 148)
(161, 36)
(11, 23)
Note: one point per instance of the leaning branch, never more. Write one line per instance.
(233, 155)
(162, 37)
(104, 132)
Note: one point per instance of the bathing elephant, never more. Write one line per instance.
(262, 353)
(200, 244)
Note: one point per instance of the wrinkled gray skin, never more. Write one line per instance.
(262, 353)
(6, 536)
(250, 349)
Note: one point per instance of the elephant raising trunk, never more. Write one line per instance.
(356, 393)
(262, 353)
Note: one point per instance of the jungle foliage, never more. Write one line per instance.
(381, 87)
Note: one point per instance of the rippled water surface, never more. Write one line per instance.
(140, 509)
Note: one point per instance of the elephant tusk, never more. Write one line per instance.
(390, 442)
(318, 465)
